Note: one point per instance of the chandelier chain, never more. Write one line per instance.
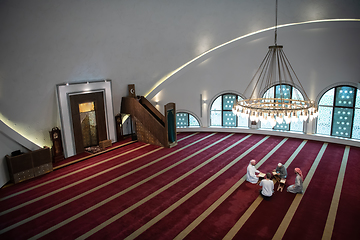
(275, 96)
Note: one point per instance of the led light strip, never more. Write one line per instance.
(166, 77)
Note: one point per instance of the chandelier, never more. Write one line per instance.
(267, 105)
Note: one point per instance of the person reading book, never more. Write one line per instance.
(251, 172)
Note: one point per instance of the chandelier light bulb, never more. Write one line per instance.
(274, 84)
(265, 119)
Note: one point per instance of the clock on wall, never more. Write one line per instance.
(57, 148)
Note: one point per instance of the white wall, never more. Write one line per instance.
(8, 145)
(322, 54)
(48, 42)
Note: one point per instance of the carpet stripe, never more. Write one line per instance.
(193, 192)
(206, 213)
(133, 186)
(347, 216)
(94, 189)
(197, 189)
(238, 225)
(116, 217)
(69, 200)
(92, 155)
(231, 234)
(69, 174)
(75, 183)
(82, 169)
(296, 202)
(336, 197)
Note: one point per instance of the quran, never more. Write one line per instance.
(261, 175)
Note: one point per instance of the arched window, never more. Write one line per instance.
(184, 120)
(339, 112)
(221, 112)
(284, 91)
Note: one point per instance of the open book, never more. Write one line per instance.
(261, 174)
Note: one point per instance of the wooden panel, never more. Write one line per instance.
(131, 90)
(104, 144)
(150, 124)
(20, 167)
(42, 161)
(152, 110)
(75, 100)
(29, 165)
(170, 124)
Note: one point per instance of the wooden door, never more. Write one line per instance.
(98, 99)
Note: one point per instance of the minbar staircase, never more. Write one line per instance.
(151, 126)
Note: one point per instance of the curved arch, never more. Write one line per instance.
(319, 96)
(338, 113)
(230, 123)
(191, 113)
(298, 88)
(224, 92)
(208, 111)
(158, 85)
(292, 126)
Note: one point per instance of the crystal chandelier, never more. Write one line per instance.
(263, 105)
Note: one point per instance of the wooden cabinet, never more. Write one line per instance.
(28, 165)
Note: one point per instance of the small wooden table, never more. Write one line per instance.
(276, 176)
(281, 184)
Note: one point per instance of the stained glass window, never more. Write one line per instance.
(345, 96)
(357, 102)
(266, 125)
(282, 126)
(229, 119)
(297, 126)
(296, 94)
(184, 120)
(228, 101)
(342, 122)
(356, 122)
(328, 98)
(284, 91)
(339, 113)
(221, 112)
(356, 126)
(193, 121)
(324, 120)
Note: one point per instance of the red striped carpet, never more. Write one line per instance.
(196, 190)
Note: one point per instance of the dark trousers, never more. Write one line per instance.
(265, 197)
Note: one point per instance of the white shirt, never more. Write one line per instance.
(250, 174)
(267, 187)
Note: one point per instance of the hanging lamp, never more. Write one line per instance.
(262, 105)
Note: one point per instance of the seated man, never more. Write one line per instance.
(251, 172)
(267, 187)
(280, 172)
(298, 186)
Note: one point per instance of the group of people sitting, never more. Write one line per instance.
(267, 184)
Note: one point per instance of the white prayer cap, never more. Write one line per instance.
(279, 164)
(253, 161)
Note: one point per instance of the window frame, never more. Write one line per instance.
(222, 111)
(333, 107)
(188, 118)
(288, 129)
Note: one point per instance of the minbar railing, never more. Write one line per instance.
(151, 126)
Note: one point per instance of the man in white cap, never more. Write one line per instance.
(281, 171)
(251, 172)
